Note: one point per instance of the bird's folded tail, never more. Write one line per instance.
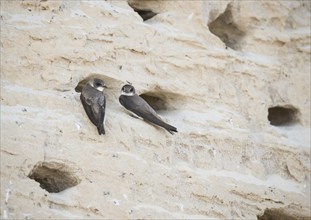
(171, 129)
(101, 129)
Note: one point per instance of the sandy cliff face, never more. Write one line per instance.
(233, 77)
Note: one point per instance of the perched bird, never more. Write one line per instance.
(141, 109)
(94, 102)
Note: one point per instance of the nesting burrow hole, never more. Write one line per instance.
(277, 214)
(143, 8)
(155, 102)
(109, 82)
(225, 28)
(113, 86)
(162, 101)
(54, 177)
(283, 115)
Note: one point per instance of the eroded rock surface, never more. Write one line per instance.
(213, 69)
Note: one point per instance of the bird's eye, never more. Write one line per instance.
(98, 84)
(131, 90)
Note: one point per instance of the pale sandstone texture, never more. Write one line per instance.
(232, 76)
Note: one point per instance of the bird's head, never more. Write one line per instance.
(98, 84)
(128, 90)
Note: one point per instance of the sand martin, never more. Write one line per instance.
(94, 102)
(137, 105)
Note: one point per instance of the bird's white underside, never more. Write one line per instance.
(127, 94)
(99, 88)
(135, 115)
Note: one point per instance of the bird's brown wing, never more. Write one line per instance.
(102, 107)
(141, 108)
(94, 108)
(88, 109)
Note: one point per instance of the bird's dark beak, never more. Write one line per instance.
(106, 87)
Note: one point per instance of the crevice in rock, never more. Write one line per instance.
(143, 9)
(111, 83)
(283, 115)
(276, 214)
(225, 28)
(54, 177)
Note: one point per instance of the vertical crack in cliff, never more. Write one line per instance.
(54, 177)
(282, 116)
(142, 8)
(225, 28)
